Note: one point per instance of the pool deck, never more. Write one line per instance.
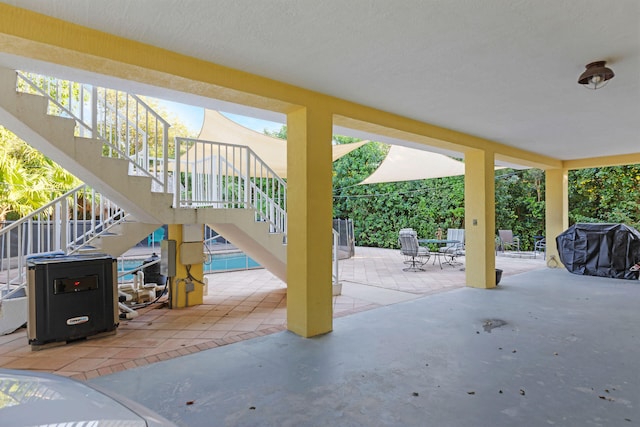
(239, 306)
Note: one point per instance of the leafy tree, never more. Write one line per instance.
(280, 133)
(608, 194)
(177, 129)
(520, 203)
(28, 179)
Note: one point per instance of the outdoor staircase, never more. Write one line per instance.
(152, 188)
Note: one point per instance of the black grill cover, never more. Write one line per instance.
(605, 250)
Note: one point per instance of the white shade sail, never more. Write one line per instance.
(408, 164)
(273, 151)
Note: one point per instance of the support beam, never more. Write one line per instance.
(480, 219)
(309, 236)
(557, 210)
(185, 291)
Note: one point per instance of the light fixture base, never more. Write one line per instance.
(596, 75)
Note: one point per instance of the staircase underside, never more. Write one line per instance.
(240, 228)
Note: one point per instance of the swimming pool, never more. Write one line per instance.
(217, 263)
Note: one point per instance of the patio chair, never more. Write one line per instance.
(454, 249)
(508, 241)
(541, 246)
(415, 256)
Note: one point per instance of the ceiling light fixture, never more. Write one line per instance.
(596, 75)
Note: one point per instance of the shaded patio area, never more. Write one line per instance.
(544, 348)
(239, 306)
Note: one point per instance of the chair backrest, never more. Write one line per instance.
(408, 239)
(506, 236)
(456, 234)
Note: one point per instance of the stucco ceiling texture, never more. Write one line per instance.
(503, 70)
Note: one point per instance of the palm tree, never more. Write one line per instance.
(28, 179)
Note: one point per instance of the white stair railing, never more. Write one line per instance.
(64, 225)
(336, 258)
(206, 174)
(127, 126)
(219, 175)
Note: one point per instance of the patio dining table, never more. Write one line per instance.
(440, 243)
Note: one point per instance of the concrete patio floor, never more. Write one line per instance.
(545, 348)
(239, 306)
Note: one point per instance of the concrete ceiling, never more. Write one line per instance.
(502, 70)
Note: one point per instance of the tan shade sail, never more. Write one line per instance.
(408, 164)
(273, 151)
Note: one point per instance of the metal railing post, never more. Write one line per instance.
(165, 159)
(177, 187)
(94, 112)
(336, 241)
(248, 200)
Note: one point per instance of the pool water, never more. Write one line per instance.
(217, 263)
(229, 262)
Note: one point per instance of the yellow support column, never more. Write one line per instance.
(480, 218)
(309, 235)
(557, 210)
(180, 295)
